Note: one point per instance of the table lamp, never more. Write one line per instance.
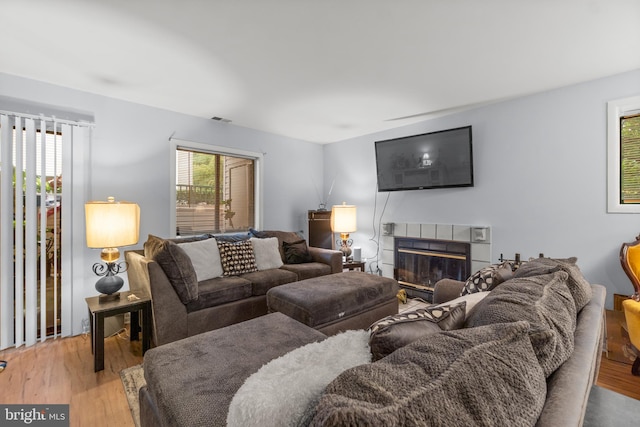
(109, 225)
(343, 221)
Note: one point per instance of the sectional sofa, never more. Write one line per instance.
(207, 282)
(523, 351)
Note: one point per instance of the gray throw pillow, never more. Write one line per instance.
(546, 303)
(176, 264)
(481, 376)
(393, 332)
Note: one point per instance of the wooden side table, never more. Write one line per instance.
(98, 311)
(352, 265)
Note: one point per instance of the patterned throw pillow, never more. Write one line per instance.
(392, 332)
(488, 278)
(237, 257)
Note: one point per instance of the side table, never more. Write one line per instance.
(352, 265)
(98, 311)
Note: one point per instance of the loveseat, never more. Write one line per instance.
(207, 282)
(526, 351)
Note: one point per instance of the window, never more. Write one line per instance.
(623, 146)
(215, 189)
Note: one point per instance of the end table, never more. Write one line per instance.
(98, 311)
(352, 265)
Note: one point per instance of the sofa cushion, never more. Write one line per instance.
(296, 252)
(487, 278)
(262, 281)
(393, 332)
(578, 285)
(481, 376)
(176, 264)
(205, 257)
(237, 257)
(546, 303)
(308, 270)
(220, 290)
(266, 252)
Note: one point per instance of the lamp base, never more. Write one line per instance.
(102, 298)
(109, 285)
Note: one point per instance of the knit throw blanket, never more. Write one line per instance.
(284, 392)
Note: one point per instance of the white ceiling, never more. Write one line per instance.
(323, 70)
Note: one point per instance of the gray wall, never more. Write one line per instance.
(540, 180)
(129, 159)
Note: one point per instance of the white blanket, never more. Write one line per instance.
(285, 391)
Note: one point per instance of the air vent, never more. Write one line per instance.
(220, 119)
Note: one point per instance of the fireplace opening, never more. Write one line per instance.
(420, 263)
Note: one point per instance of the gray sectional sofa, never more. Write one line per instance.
(183, 305)
(524, 353)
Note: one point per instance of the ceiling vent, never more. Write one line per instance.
(220, 119)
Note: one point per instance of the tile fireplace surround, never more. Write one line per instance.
(480, 245)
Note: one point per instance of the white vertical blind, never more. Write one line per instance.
(29, 226)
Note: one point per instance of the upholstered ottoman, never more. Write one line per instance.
(191, 382)
(337, 302)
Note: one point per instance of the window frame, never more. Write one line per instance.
(615, 110)
(257, 158)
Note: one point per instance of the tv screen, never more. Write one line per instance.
(430, 160)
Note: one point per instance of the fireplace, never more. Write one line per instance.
(420, 263)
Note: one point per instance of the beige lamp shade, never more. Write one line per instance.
(111, 224)
(343, 218)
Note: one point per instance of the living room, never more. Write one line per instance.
(540, 164)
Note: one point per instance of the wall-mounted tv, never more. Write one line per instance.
(430, 160)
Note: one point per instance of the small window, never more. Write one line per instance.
(623, 146)
(215, 192)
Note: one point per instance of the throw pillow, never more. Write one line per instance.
(176, 264)
(296, 252)
(487, 278)
(480, 376)
(580, 288)
(398, 330)
(470, 300)
(546, 303)
(205, 257)
(237, 257)
(266, 253)
(282, 236)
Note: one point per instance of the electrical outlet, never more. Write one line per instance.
(127, 318)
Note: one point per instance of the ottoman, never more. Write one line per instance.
(191, 382)
(336, 302)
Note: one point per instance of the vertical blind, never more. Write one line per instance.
(35, 206)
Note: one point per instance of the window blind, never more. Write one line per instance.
(33, 213)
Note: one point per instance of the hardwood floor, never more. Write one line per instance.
(61, 371)
(615, 374)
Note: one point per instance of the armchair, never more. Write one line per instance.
(630, 260)
(632, 315)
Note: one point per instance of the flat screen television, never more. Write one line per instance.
(430, 160)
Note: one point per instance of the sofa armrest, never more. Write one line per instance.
(169, 313)
(446, 290)
(327, 256)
